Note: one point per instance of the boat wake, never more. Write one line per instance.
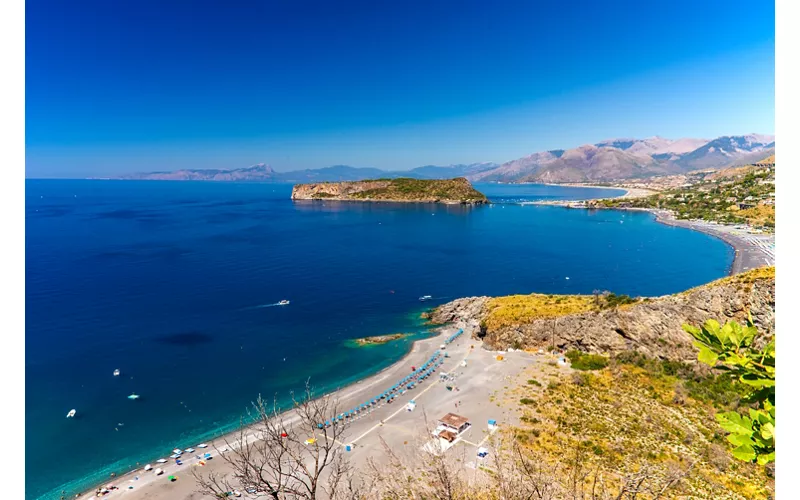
(262, 306)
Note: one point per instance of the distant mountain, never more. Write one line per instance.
(450, 171)
(610, 160)
(728, 150)
(260, 172)
(333, 174)
(336, 173)
(627, 158)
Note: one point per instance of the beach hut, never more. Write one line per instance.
(492, 425)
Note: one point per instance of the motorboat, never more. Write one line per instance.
(71, 413)
(148, 467)
(116, 372)
(133, 396)
(284, 302)
(424, 298)
(202, 445)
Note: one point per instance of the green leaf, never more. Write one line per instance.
(744, 453)
(692, 330)
(765, 459)
(768, 431)
(754, 380)
(707, 356)
(735, 423)
(739, 439)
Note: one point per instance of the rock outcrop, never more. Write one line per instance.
(652, 326)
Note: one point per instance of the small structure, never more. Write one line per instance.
(411, 405)
(451, 426)
(492, 425)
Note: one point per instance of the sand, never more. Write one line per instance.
(475, 383)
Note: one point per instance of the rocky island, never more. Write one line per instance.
(379, 339)
(456, 191)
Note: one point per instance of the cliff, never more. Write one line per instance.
(651, 326)
(406, 190)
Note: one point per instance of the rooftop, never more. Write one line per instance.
(453, 420)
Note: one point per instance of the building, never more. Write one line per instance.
(451, 426)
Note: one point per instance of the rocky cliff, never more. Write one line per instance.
(651, 326)
(449, 191)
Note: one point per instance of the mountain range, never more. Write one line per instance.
(605, 161)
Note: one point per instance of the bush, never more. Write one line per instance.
(527, 401)
(534, 382)
(582, 361)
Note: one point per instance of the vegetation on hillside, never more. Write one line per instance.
(458, 189)
(520, 309)
(740, 195)
(637, 416)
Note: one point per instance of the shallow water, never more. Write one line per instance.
(173, 283)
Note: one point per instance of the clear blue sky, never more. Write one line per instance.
(118, 86)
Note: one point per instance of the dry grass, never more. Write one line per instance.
(627, 418)
(520, 309)
(758, 215)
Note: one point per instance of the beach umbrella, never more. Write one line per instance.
(172, 478)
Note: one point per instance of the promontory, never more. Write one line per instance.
(456, 191)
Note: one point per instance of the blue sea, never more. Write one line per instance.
(174, 284)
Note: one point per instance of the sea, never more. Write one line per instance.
(175, 284)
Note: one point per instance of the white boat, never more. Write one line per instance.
(162, 460)
(159, 472)
(116, 372)
(424, 298)
(148, 467)
(71, 413)
(202, 445)
(283, 303)
(189, 450)
(133, 396)
(177, 450)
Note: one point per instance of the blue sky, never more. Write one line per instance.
(125, 86)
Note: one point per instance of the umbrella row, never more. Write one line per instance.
(407, 382)
(454, 336)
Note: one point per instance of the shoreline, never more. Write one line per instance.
(344, 395)
(748, 252)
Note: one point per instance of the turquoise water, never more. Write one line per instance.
(172, 283)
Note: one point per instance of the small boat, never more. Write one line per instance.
(177, 451)
(148, 467)
(424, 298)
(283, 303)
(162, 460)
(116, 372)
(133, 396)
(71, 413)
(202, 445)
(175, 456)
(189, 450)
(159, 472)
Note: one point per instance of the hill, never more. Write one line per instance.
(743, 194)
(449, 191)
(651, 326)
(627, 158)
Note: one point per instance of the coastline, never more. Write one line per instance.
(750, 251)
(352, 389)
(419, 351)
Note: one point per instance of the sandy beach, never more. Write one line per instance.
(477, 374)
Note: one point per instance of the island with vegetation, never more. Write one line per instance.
(405, 190)
(379, 339)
